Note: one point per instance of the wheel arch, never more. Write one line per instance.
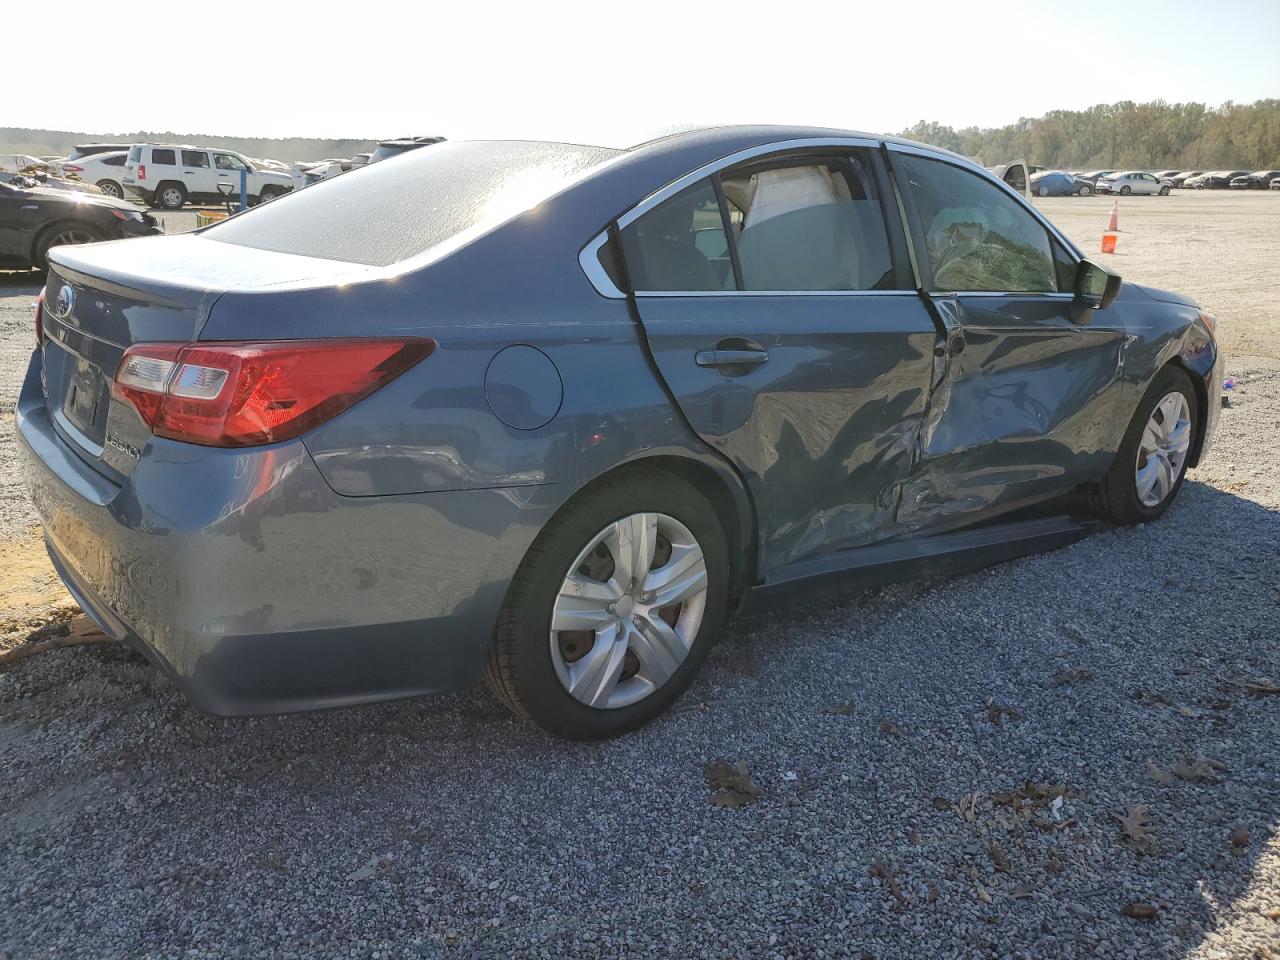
(47, 228)
(1201, 391)
(721, 487)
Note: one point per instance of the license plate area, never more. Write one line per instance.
(78, 394)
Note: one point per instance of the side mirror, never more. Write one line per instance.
(1096, 286)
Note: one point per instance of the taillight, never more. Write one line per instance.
(40, 319)
(245, 394)
(71, 168)
(142, 171)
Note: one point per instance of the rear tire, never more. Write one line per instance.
(62, 234)
(111, 188)
(171, 196)
(1043, 192)
(532, 669)
(1119, 494)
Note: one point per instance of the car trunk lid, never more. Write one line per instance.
(103, 298)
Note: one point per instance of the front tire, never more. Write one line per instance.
(1152, 460)
(1164, 191)
(1085, 190)
(614, 608)
(1125, 191)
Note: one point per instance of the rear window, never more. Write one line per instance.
(390, 211)
(163, 158)
(135, 154)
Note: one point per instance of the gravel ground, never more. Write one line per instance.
(940, 767)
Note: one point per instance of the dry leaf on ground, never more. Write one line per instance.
(731, 785)
(1140, 911)
(841, 709)
(884, 873)
(1065, 678)
(1240, 839)
(1136, 826)
(1201, 769)
(996, 712)
(967, 806)
(1159, 775)
(998, 858)
(891, 729)
(1256, 687)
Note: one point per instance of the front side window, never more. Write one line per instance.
(195, 158)
(163, 158)
(790, 225)
(977, 236)
(225, 161)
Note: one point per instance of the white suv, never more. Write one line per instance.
(170, 175)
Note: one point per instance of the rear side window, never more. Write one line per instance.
(680, 244)
(391, 211)
(163, 158)
(195, 158)
(114, 161)
(797, 224)
(809, 226)
(978, 237)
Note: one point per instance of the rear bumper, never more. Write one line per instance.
(258, 589)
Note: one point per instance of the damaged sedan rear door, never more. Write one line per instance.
(777, 299)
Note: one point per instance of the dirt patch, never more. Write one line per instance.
(31, 595)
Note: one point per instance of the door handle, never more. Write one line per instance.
(730, 358)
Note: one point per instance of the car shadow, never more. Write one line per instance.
(916, 729)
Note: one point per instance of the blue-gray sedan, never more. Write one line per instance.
(550, 413)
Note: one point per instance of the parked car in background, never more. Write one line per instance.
(21, 163)
(103, 170)
(42, 178)
(1135, 182)
(314, 455)
(1275, 184)
(1258, 180)
(1215, 179)
(1180, 179)
(1055, 183)
(1166, 174)
(361, 159)
(34, 219)
(393, 148)
(171, 175)
(89, 149)
(1093, 175)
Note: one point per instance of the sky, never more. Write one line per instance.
(616, 73)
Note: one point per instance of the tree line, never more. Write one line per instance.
(1149, 136)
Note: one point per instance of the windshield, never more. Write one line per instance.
(391, 211)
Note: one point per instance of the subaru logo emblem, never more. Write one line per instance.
(66, 300)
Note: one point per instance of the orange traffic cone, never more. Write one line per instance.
(1109, 243)
(1113, 225)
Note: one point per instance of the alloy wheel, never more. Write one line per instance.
(1162, 451)
(111, 189)
(628, 611)
(67, 237)
(171, 198)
